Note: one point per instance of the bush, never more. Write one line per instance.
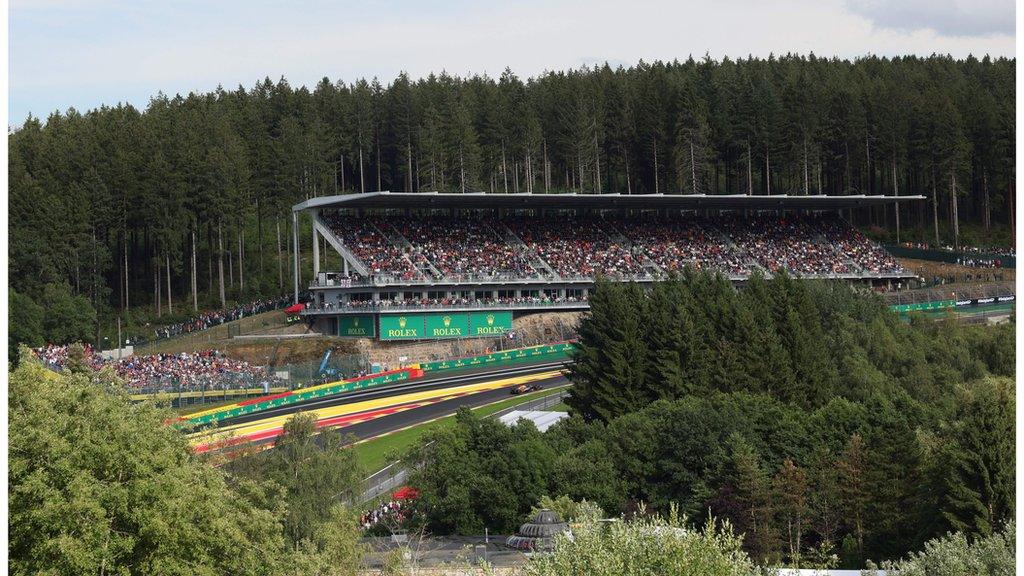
(954, 555)
(650, 545)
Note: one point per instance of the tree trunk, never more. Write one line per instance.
(547, 170)
(362, 181)
(504, 167)
(807, 182)
(896, 191)
(955, 209)
(126, 275)
(1009, 201)
(259, 228)
(693, 170)
(767, 172)
(625, 160)
(231, 263)
(170, 308)
(241, 263)
(408, 159)
(280, 263)
(750, 172)
(935, 210)
(195, 294)
(220, 264)
(986, 217)
(159, 299)
(462, 172)
(656, 190)
(597, 164)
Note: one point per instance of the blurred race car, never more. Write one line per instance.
(524, 388)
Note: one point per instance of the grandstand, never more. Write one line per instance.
(416, 266)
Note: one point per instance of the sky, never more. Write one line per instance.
(87, 53)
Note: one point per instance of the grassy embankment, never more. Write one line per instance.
(374, 454)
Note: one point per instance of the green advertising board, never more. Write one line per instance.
(444, 326)
(923, 306)
(357, 326)
(402, 327)
(490, 323)
(447, 325)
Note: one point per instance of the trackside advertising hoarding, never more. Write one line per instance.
(357, 326)
(444, 326)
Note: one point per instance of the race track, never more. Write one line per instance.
(372, 412)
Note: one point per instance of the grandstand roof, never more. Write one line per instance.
(483, 200)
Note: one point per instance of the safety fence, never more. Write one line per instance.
(301, 395)
(556, 351)
(547, 352)
(958, 304)
(185, 397)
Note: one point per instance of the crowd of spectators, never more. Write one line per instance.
(452, 301)
(791, 244)
(371, 246)
(192, 371)
(215, 317)
(390, 512)
(1001, 250)
(57, 357)
(463, 248)
(695, 243)
(575, 247)
(980, 262)
(185, 371)
(869, 256)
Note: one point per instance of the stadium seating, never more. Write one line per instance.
(570, 247)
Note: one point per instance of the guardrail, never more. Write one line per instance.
(556, 351)
(300, 395)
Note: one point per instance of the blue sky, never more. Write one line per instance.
(85, 53)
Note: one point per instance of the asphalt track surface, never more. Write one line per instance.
(416, 401)
(385, 424)
(420, 384)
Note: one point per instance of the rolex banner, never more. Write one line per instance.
(444, 326)
(447, 325)
(489, 323)
(357, 326)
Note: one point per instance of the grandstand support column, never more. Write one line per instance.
(295, 254)
(316, 252)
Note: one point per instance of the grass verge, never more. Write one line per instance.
(373, 454)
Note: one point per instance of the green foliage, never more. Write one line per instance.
(68, 317)
(482, 474)
(568, 509)
(313, 469)
(98, 485)
(876, 437)
(645, 546)
(980, 457)
(105, 200)
(804, 343)
(956, 555)
(25, 323)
